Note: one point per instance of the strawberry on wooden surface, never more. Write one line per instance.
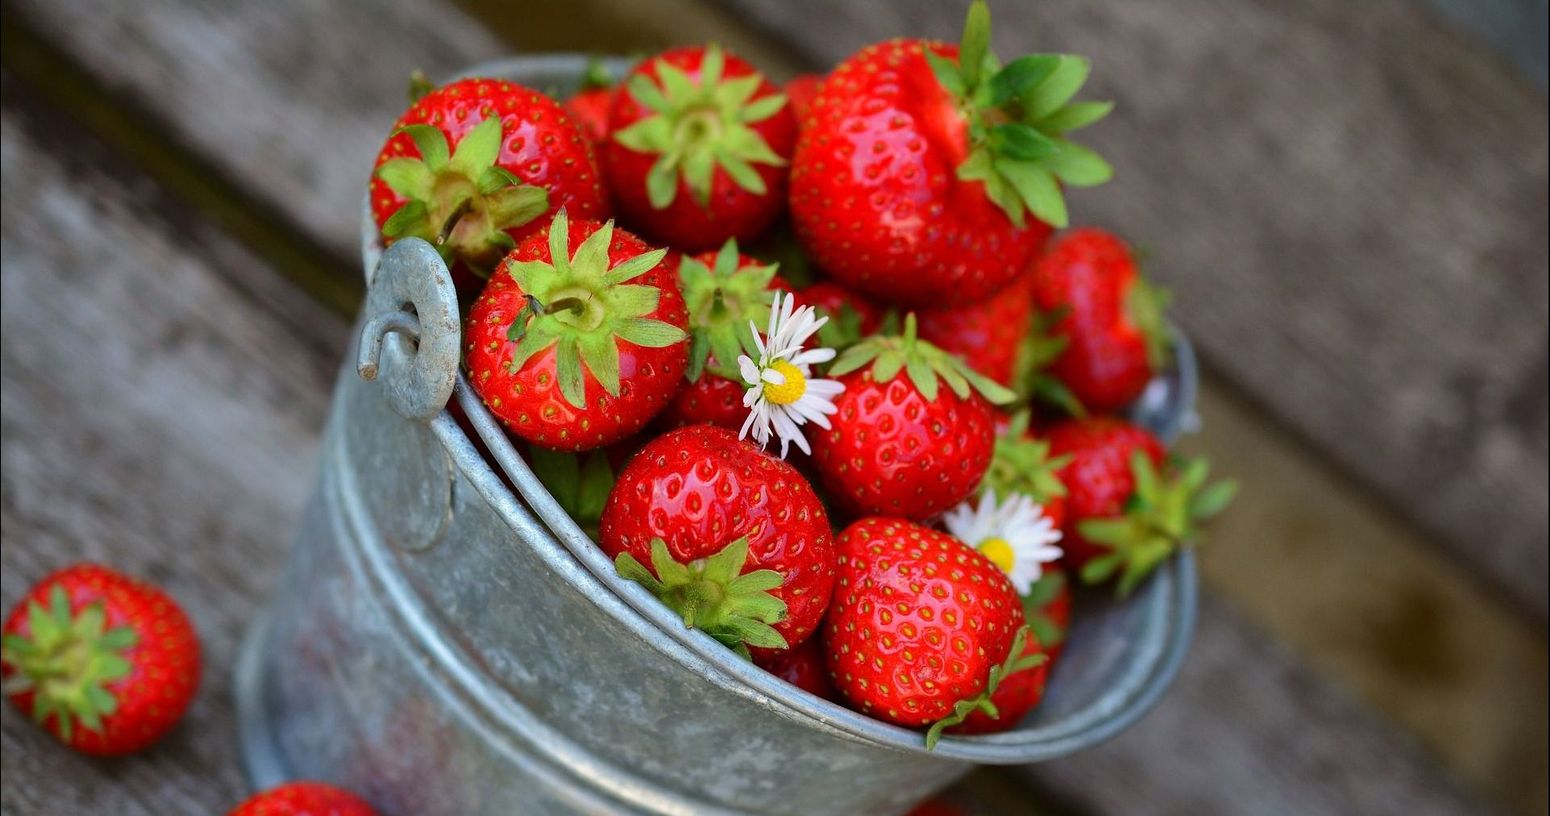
(701, 144)
(105, 662)
(472, 166)
(1106, 315)
(304, 799)
(731, 538)
(927, 174)
(574, 349)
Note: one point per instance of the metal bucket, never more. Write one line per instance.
(445, 640)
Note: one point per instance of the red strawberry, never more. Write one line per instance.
(899, 443)
(802, 666)
(701, 143)
(918, 167)
(577, 350)
(923, 628)
(851, 316)
(304, 799)
(937, 806)
(988, 335)
(724, 291)
(1015, 696)
(471, 165)
(1106, 314)
(1023, 464)
(589, 106)
(1126, 511)
(1047, 607)
(737, 540)
(105, 662)
(800, 92)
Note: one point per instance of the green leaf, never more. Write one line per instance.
(632, 300)
(1021, 142)
(431, 143)
(712, 66)
(947, 74)
(632, 570)
(1019, 76)
(634, 267)
(1145, 476)
(591, 258)
(559, 241)
(733, 94)
(922, 375)
(975, 43)
(597, 480)
(1079, 166)
(674, 81)
(1099, 569)
(763, 108)
(649, 333)
(1213, 499)
(653, 135)
(407, 177)
(742, 173)
(662, 182)
(479, 148)
(495, 178)
(1074, 116)
(699, 167)
(515, 206)
(1038, 190)
(1057, 88)
(725, 565)
(411, 220)
(560, 472)
(646, 93)
(601, 354)
(1112, 532)
(854, 359)
(567, 364)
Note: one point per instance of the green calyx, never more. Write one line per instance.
(1031, 378)
(1161, 516)
(1019, 115)
(714, 595)
(843, 329)
(1043, 592)
(1015, 662)
(1023, 465)
(579, 482)
(923, 362)
(699, 126)
(1145, 304)
(460, 201)
(68, 661)
(722, 299)
(583, 307)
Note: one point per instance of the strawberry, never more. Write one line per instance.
(1128, 509)
(107, 663)
(724, 291)
(989, 334)
(802, 666)
(701, 141)
(737, 540)
(937, 806)
(304, 799)
(589, 106)
(1047, 608)
(577, 351)
(1023, 464)
(923, 629)
(1015, 696)
(800, 92)
(1108, 316)
(926, 176)
(851, 316)
(471, 165)
(899, 444)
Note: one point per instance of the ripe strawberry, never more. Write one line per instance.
(724, 291)
(737, 540)
(1128, 510)
(589, 106)
(937, 806)
(989, 334)
(471, 165)
(574, 351)
(923, 629)
(851, 316)
(919, 165)
(1108, 316)
(105, 662)
(800, 92)
(304, 799)
(1023, 464)
(802, 666)
(701, 144)
(899, 444)
(1015, 697)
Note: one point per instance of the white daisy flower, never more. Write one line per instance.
(1015, 534)
(781, 394)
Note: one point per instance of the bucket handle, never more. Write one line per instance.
(411, 333)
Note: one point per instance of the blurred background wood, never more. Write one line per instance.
(1348, 660)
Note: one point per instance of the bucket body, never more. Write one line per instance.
(445, 641)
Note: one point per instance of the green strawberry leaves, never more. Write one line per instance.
(722, 299)
(1018, 116)
(1023, 465)
(579, 482)
(68, 660)
(700, 126)
(459, 200)
(922, 362)
(1146, 303)
(581, 306)
(1044, 592)
(1015, 662)
(1161, 516)
(714, 595)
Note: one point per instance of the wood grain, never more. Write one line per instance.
(1350, 197)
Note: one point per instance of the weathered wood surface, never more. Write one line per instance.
(1349, 201)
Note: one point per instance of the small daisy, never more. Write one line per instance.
(1015, 534)
(781, 397)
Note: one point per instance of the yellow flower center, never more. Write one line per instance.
(789, 391)
(1000, 552)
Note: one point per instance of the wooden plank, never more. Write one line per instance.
(162, 394)
(1348, 200)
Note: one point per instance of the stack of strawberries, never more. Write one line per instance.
(924, 369)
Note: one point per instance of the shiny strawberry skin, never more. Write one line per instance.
(830, 298)
(542, 146)
(989, 334)
(891, 451)
(1013, 699)
(1085, 277)
(803, 667)
(528, 400)
(164, 662)
(875, 198)
(711, 399)
(1098, 478)
(800, 92)
(917, 622)
(731, 212)
(590, 111)
(304, 799)
(700, 488)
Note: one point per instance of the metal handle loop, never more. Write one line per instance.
(412, 332)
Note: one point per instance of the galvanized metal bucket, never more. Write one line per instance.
(445, 640)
